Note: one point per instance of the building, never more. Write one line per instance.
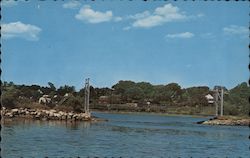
(210, 98)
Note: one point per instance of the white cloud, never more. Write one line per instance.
(236, 30)
(117, 19)
(127, 28)
(207, 35)
(161, 15)
(72, 4)
(8, 3)
(180, 35)
(11, 3)
(20, 30)
(140, 15)
(87, 14)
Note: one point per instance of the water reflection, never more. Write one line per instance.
(29, 123)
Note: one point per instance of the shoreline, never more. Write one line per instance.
(153, 113)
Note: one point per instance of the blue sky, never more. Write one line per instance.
(64, 42)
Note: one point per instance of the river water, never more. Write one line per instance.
(124, 135)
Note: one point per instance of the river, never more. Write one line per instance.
(124, 135)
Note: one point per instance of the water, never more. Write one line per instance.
(124, 135)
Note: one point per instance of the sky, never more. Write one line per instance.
(201, 43)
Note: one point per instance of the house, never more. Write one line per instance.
(210, 98)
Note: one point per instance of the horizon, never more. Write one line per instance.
(64, 42)
(78, 89)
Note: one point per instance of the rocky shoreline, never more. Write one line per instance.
(226, 121)
(41, 114)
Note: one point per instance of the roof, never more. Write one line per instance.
(209, 96)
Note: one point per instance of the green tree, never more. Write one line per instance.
(65, 89)
(52, 86)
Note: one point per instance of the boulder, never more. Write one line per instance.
(14, 111)
(9, 114)
(64, 117)
(52, 110)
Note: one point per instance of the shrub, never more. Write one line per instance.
(230, 109)
(75, 102)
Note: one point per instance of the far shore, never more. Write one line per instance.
(51, 114)
(153, 113)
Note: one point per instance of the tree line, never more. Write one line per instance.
(141, 93)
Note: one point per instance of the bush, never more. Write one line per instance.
(230, 109)
(75, 102)
(10, 97)
(8, 100)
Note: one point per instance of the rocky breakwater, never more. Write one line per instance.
(227, 121)
(45, 114)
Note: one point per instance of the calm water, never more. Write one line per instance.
(125, 135)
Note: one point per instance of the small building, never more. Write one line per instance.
(210, 98)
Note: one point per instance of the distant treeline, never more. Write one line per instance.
(141, 93)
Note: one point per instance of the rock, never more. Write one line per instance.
(9, 114)
(14, 111)
(52, 110)
(64, 117)
(51, 114)
(33, 113)
(57, 115)
(61, 113)
(37, 116)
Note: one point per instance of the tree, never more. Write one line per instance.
(237, 99)
(121, 86)
(65, 89)
(52, 87)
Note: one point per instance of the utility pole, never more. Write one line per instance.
(216, 102)
(221, 101)
(86, 99)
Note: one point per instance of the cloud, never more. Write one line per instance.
(161, 15)
(127, 28)
(117, 19)
(207, 35)
(183, 35)
(140, 15)
(88, 15)
(11, 3)
(72, 5)
(20, 30)
(236, 30)
(8, 3)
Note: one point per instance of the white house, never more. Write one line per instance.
(210, 98)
